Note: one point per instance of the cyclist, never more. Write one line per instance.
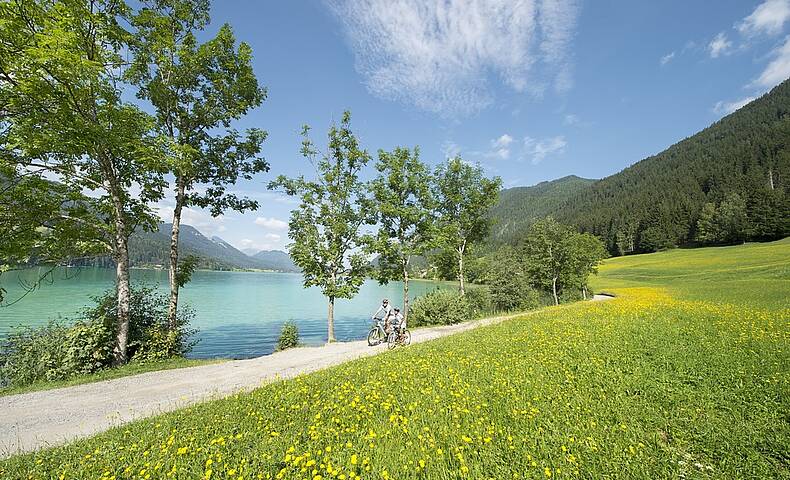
(386, 311)
(398, 321)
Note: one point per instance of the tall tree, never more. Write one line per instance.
(403, 202)
(586, 251)
(464, 196)
(61, 66)
(547, 255)
(197, 90)
(326, 227)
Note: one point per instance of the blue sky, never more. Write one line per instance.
(532, 90)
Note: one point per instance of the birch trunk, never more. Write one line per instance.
(554, 290)
(331, 321)
(461, 268)
(172, 310)
(406, 290)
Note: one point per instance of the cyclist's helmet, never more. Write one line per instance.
(385, 301)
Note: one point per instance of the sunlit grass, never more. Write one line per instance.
(653, 384)
(755, 274)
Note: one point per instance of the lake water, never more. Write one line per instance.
(239, 314)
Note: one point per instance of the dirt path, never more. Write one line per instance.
(35, 420)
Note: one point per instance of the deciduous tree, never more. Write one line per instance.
(464, 196)
(61, 65)
(403, 202)
(325, 229)
(197, 90)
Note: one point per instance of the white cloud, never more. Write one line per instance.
(719, 45)
(441, 56)
(667, 58)
(271, 223)
(269, 241)
(726, 108)
(769, 18)
(571, 119)
(537, 150)
(501, 147)
(778, 70)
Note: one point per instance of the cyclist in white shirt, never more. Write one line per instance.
(385, 310)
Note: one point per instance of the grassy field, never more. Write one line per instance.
(755, 274)
(666, 381)
(109, 374)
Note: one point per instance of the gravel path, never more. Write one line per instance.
(35, 420)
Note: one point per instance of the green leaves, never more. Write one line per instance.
(326, 227)
(464, 197)
(404, 208)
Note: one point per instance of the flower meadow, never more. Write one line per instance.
(643, 386)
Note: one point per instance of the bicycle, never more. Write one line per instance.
(378, 333)
(395, 338)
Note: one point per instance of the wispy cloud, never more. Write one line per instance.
(719, 45)
(667, 58)
(778, 70)
(726, 108)
(538, 149)
(768, 18)
(441, 56)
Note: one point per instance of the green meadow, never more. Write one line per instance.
(686, 374)
(754, 274)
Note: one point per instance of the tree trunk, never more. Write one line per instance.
(331, 321)
(461, 268)
(123, 289)
(584, 292)
(554, 290)
(172, 310)
(406, 290)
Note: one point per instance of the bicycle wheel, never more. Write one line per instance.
(375, 336)
(406, 337)
(392, 340)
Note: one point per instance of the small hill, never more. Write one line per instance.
(519, 207)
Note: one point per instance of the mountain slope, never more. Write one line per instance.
(519, 207)
(276, 260)
(153, 248)
(742, 160)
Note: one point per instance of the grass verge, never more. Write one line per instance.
(109, 374)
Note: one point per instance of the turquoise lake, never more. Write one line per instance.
(238, 314)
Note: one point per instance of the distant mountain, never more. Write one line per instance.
(518, 208)
(250, 251)
(742, 160)
(153, 248)
(276, 260)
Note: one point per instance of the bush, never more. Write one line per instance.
(440, 307)
(57, 351)
(479, 299)
(513, 292)
(289, 336)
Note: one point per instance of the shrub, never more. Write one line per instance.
(479, 299)
(289, 336)
(57, 351)
(513, 292)
(440, 307)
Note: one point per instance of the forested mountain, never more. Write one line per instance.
(518, 208)
(153, 248)
(276, 260)
(737, 170)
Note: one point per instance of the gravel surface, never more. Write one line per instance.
(35, 420)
